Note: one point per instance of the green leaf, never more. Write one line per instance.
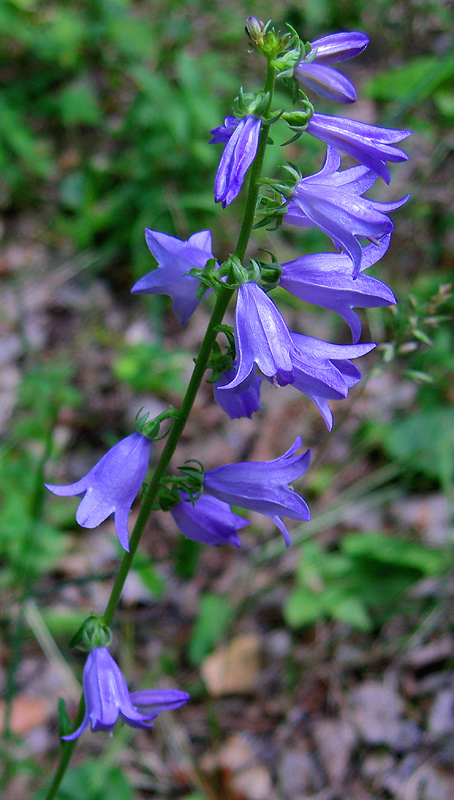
(351, 611)
(424, 441)
(304, 607)
(211, 624)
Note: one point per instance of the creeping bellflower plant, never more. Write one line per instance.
(259, 350)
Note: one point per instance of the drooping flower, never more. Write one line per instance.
(240, 402)
(325, 279)
(241, 139)
(323, 371)
(263, 486)
(107, 697)
(111, 485)
(175, 258)
(323, 80)
(331, 200)
(371, 145)
(262, 338)
(208, 520)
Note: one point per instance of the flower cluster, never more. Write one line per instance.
(261, 346)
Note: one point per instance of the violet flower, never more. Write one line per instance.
(371, 145)
(208, 520)
(175, 258)
(242, 401)
(107, 697)
(262, 339)
(331, 200)
(325, 279)
(323, 371)
(242, 139)
(323, 80)
(111, 485)
(262, 486)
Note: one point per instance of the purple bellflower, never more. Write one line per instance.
(371, 145)
(209, 521)
(262, 486)
(241, 138)
(175, 258)
(324, 372)
(325, 279)
(331, 200)
(262, 339)
(240, 402)
(111, 485)
(323, 80)
(107, 697)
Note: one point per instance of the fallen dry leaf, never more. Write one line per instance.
(27, 713)
(233, 668)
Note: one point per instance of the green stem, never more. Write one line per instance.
(181, 419)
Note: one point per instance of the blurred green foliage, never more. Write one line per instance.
(359, 583)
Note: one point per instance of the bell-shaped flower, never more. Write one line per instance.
(340, 46)
(208, 520)
(175, 258)
(323, 371)
(107, 697)
(111, 485)
(371, 145)
(241, 139)
(325, 279)
(262, 339)
(331, 201)
(323, 80)
(263, 486)
(242, 401)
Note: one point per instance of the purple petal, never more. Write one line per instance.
(369, 144)
(237, 157)
(339, 46)
(155, 701)
(262, 486)
(242, 401)
(326, 82)
(262, 338)
(209, 521)
(175, 259)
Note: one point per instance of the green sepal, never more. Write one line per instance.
(92, 633)
(65, 723)
(151, 428)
